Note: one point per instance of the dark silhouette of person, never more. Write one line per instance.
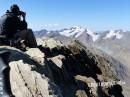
(13, 25)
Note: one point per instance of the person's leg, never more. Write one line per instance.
(31, 39)
(28, 36)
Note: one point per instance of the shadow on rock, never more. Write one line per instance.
(116, 91)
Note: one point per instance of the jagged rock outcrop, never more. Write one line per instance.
(54, 70)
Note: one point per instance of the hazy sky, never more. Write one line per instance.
(93, 14)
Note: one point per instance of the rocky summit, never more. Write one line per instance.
(56, 70)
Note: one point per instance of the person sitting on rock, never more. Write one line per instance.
(14, 26)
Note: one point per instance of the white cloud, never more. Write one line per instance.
(51, 25)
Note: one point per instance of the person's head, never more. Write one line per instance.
(14, 9)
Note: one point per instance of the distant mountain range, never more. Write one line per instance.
(77, 32)
(73, 33)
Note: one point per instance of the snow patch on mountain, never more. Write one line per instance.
(112, 33)
(78, 31)
(48, 32)
(93, 35)
(74, 31)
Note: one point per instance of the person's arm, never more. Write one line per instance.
(22, 24)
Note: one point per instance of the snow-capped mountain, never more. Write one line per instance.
(117, 34)
(78, 32)
(115, 43)
(83, 34)
(73, 32)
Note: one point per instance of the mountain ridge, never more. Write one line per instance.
(60, 71)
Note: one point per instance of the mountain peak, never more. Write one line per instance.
(114, 33)
(73, 31)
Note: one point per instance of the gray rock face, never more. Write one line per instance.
(27, 80)
(61, 71)
(27, 83)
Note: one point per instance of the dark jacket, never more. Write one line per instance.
(11, 24)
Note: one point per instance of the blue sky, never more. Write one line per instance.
(55, 14)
